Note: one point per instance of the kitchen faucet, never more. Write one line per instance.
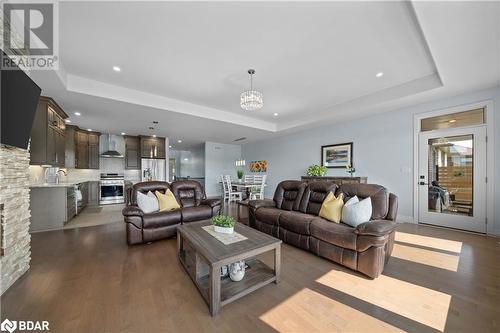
(57, 175)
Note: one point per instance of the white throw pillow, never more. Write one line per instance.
(356, 212)
(147, 203)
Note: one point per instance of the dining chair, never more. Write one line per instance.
(224, 188)
(232, 195)
(258, 191)
(248, 179)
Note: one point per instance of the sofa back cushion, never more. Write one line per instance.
(188, 193)
(378, 194)
(288, 194)
(145, 187)
(314, 195)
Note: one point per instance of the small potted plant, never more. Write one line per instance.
(350, 169)
(316, 170)
(239, 173)
(223, 224)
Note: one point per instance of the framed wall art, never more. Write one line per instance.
(337, 156)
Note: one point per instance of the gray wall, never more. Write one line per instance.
(190, 163)
(220, 159)
(383, 149)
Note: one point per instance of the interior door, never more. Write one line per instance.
(452, 178)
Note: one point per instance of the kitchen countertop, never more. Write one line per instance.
(61, 184)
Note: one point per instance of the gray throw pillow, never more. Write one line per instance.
(356, 212)
(147, 203)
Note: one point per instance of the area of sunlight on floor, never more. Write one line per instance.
(310, 311)
(429, 242)
(427, 257)
(420, 304)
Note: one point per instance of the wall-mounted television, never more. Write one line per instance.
(19, 100)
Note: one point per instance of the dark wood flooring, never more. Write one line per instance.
(89, 280)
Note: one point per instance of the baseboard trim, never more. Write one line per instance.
(405, 219)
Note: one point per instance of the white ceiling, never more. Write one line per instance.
(184, 64)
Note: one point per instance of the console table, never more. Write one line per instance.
(337, 180)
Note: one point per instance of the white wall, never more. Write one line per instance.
(383, 150)
(220, 159)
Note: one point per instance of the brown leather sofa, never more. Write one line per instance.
(292, 216)
(144, 228)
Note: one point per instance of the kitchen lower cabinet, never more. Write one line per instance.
(93, 190)
(51, 207)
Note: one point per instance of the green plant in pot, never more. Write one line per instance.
(316, 170)
(223, 224)
(239, 173)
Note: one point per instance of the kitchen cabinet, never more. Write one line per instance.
(51, 207)
(82, 148)
(47, 145)
(93, 193)
(70, 203)
(152, 147)
(132, 153)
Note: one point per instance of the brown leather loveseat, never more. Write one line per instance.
(292, 216)
(143, 228)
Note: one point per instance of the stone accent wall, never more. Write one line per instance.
(15, 197)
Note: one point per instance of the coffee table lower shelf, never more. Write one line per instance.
(256, 276)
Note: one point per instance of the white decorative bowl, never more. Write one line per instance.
(224, 230)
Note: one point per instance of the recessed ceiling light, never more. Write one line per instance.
(169, 146)
(186, 159)
(275, 114)
(123, 133)
(179, 141)
(379, 74)
(78, 114)
(67, 121)
(154, 135)
(89, 129)
(452, 121)
(116, 69)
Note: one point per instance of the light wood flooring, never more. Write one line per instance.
(89, 280)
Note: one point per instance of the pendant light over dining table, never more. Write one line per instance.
(251, 99)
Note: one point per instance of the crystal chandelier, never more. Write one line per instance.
(251, 99)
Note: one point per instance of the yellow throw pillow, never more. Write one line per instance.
(331, 209)
(167, 201)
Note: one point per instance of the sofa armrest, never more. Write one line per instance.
(376, 228)
(211, 202)
(132, 211)
(255, 204)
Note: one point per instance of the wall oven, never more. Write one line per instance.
(111, 189)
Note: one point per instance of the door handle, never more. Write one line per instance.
(423, 183)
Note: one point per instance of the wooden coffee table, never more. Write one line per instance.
(202, 256)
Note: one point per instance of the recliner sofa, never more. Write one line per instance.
(144, 228)
(292, 216)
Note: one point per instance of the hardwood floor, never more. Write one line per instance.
(89, 280)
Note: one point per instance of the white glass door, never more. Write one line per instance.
(452, 178)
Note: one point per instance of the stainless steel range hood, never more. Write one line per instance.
(111, 147)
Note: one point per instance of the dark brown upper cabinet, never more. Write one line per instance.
(47, 145)
(82, 148)
(132, 152)
(152, 147)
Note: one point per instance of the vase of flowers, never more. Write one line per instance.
(223, 224)
(350, 169)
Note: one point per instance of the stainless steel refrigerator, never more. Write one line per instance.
(153, 169)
